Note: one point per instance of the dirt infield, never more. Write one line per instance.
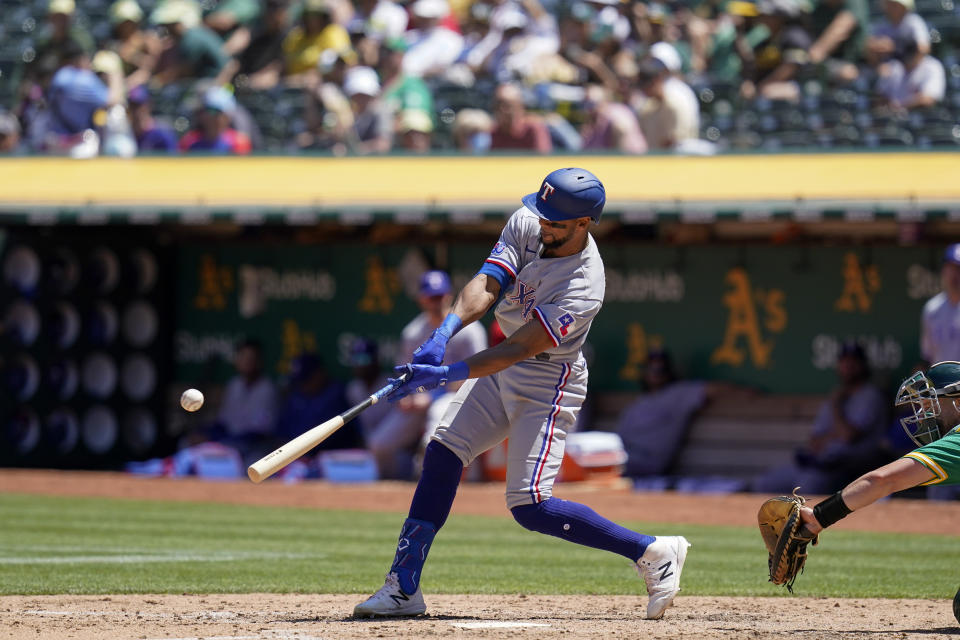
(303, 617)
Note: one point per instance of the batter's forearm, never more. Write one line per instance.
(498, 358)
(476, 298)
(526, 342)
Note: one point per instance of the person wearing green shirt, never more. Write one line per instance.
(196, 52)
(401, 92)
(840, 30)
(231, 14)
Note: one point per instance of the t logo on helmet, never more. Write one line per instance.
(547, 190)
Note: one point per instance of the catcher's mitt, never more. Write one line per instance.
(785, 536)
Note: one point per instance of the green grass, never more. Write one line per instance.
(91, 546)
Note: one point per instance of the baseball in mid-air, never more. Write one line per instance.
(191, 400)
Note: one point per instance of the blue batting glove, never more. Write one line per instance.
(432, 350)
(424, 377)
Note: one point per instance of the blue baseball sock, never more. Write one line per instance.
(581, 524)
(438, 484)
(416, 536)
(428, 512)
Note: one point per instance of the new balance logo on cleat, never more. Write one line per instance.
(665, 568)
(391, 600)
(660, 567)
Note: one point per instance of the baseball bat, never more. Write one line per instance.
(273, 462)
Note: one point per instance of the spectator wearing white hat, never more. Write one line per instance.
(382, 19)
(432, 46)
(192, 50)
(139, 49)
(372, 121)
(666, 117)
(899, 22)
(912, 79)
(675, 87)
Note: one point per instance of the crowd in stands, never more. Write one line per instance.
(84, 77)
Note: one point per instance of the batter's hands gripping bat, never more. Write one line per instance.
(273, 462)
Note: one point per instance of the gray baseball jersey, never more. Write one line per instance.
(563, 294)
(940, 329)
(534, 402)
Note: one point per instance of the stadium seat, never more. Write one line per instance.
(889, 135)
(940, 135)
(846, 135)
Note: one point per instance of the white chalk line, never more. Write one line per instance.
(267, 634)
(496, 624)
(200, 615)
(155, 557)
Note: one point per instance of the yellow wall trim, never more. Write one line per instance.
(495, 181)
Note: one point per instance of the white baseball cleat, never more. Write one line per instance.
(390, 600)
(660, 568)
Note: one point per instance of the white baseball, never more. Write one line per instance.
(191, 400)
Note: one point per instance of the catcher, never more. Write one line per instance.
(788, 526)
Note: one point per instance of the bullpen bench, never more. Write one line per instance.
(734, 437)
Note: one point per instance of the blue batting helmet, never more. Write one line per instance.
(566, 194)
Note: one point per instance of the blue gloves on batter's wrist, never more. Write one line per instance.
(424, 377)
(431, 351)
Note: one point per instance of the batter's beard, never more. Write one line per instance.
(556, 243)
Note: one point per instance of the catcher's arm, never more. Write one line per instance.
(786, 537)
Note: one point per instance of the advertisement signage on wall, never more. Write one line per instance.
(769, 317)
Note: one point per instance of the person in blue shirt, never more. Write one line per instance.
(314, 397)
(75, 94)
(212, 132)
(151, 134)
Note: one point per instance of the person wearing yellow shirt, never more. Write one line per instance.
(316, 33)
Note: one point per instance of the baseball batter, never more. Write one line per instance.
(546, 277)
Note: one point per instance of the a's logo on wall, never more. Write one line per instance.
(860, 284)
(752, 315)
(638, 345)
(547, 190)
(525, 297)
(214, 283)
(381, 285)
